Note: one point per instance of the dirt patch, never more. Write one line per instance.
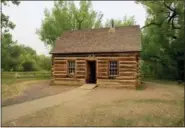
(11, 90)
(35, 91)
(160, 105)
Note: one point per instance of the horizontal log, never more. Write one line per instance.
(81, 69)
(80, 65)
(80, 62)
(61, 66)
(59, 76)
(102, 77)
(59, 69)
(127, 74)
(105, 67)
(80, 76)
(70, 79)
(118, 58)
(128, 67)
(59, 63)
(128, 59)
(102, 74)
(115, 80)
(60, 60)
(127, 62)
(105, 72)
(80, 73)
(59, 72)
(102, 67)
(101, 62)
(126, 78)
(102, 70)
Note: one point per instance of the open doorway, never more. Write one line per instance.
(91, 72)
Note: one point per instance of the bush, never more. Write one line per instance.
(29, 65)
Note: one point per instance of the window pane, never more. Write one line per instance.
(71, 67)
(113, 68)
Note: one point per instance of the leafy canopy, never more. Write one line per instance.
(66, 16)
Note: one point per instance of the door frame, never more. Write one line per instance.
(86, 68)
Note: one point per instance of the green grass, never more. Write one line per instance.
(121, 121)
(14, 77)
(160, 81)
(10, 81)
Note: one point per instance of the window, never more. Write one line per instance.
(71, 67)
(113, 68)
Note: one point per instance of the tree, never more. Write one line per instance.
(6, 24)
(18, 57)
(164, 32)
(7, 41)
(29, 65)
(125, 22)
(44, 62)
(65, 16)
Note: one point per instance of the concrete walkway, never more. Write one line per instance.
(88, 86)
(18, 110)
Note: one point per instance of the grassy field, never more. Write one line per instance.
(14, 83)
(157, 104)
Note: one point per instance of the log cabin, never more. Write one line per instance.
(107, 57)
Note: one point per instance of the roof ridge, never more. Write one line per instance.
(94, 29)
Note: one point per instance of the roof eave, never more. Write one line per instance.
(94, 52)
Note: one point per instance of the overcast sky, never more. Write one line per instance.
(29, 14)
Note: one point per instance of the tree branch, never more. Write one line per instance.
(157, 24)
(172, 9)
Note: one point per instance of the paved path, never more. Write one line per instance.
(88, 86)
(18, 110)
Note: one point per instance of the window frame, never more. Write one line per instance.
(68, 67)
(117, 67)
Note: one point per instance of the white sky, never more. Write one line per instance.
(29, 14)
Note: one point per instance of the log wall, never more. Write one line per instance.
(128, 70)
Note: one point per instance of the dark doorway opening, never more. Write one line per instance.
(91, 72)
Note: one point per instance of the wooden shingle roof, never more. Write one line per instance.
(122, 39)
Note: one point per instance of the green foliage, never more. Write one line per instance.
(163, 40)
(125, 22)
(44, 62)
(22, 58)
(29, 65)
(6, 24)
(65, 16)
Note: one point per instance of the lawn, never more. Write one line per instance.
(155, 105)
